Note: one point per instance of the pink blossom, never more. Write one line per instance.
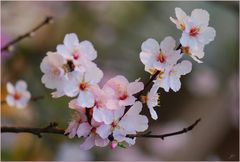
(78, 52)
(170, 78)
(155, 56)
(121, 92)
(18, 96)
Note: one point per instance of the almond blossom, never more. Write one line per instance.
(81, 84)
(131, 123)
(18, 95)
(152, 100)
(196, 32)
(78, 52)
(155, 56)
(170, 78)
(91, 136)
(121, 92)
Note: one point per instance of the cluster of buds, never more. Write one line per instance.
(107, 115)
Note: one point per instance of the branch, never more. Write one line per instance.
(32, 99)
(28, 34)
(162, 136)
(52, 129)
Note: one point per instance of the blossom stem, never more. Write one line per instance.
(32, 99)
(52, 129)
(47, 20)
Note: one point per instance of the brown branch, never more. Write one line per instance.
(28, 34)
(32, 99)
(52, 129)
(162, 136)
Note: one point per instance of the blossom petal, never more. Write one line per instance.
(167, 44)
(200, 16)
(86, 48)
(135, 87)
(101, 142)
(84, 129)
(180, 14)
(207, 35)
(150, 46)
(104, 130)
(85, 99)
(10, 100)
(21, 86)
(71, 40)
(10, 88)
(88, 143)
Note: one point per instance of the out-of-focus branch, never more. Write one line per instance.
(32, 99)
(52, 129)
(31, 33)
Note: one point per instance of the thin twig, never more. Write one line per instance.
(52, 129)
(162, 136)
(28, 34)
(32, 99)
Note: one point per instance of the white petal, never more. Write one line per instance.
(85, 99)
(101, 142)
(135, 87)
(104, 130)
(88, 143)
(200, 16)
(10, 100)
(93, 74)
(183, 68)
(150, 46)
(153, 113)
(103, 115)
(71, 40)
(61, 49)
(10, 88)
(83, 130)
(207, 35)
(86, 48)
(132, 121)
(21, 86)
(180, 14)
(147, 59)
(167, 44)
(175, 83)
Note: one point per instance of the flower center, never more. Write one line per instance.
(182, 27)
(68, 67)
(17, 96)
(186, 50)
(114, 124)
(93, 130)
(194, 31)
(161, 58)
(75, 55)
(83, 86)
(144, 99)
(123, 97)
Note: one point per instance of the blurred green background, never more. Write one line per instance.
(117, 30)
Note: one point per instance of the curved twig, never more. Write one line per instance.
(28, 34)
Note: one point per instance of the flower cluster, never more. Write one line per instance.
(99, 111)
(110, 115)
(18, 95)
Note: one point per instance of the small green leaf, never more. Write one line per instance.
(121, 145)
